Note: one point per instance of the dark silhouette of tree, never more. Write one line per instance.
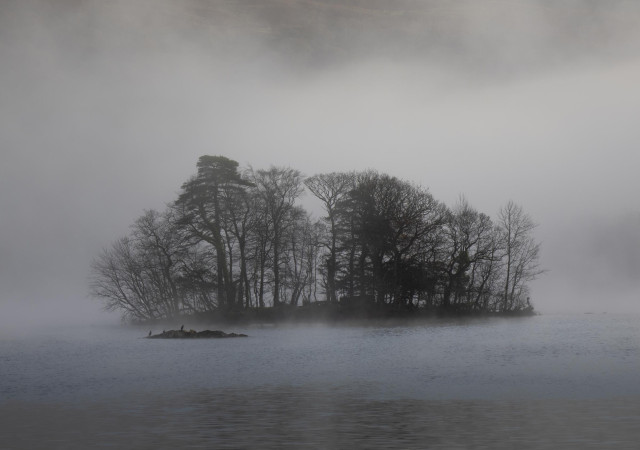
(204, 204)
(391, 218)
(162, 250)
(117, 279)
(331, 189)
(237, 240)
(521, 254)
(469, 244)
(140, 274)
(300, 255)
(278, 189)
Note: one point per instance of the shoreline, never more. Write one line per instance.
(328, 315)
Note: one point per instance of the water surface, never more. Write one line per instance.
(540, 382)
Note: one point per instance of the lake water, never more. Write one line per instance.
(541, 382)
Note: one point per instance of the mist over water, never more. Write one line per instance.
(105, 107)
(549, 381)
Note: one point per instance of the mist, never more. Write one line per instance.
(106, 106)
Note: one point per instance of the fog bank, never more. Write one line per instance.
(106, 106)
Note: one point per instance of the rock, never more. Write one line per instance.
(192, 334)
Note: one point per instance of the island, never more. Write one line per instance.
(236, 246)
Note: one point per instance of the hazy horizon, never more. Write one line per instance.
(106, 106)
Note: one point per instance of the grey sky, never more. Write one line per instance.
(106, 106)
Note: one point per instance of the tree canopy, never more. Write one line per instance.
(238, 239)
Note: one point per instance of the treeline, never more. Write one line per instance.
(237, 240)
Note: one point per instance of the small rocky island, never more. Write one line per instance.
(193, 334)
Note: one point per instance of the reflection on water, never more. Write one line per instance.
(281, 417)
(543, 382)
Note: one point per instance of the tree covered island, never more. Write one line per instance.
(236, 244)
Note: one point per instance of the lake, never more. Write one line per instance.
(550, 381)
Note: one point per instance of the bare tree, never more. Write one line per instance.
(278, 188)
(144, 274)
(331, 189)
(521, 254)
(117, 279)
(469, 245)
(161, 248)
(299, 254)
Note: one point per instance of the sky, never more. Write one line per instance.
(105, 107)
